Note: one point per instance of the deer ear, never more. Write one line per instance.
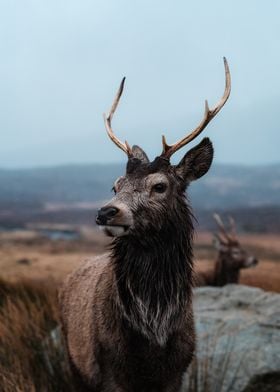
(196, 161)
(140, 154)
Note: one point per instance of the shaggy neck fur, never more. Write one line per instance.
(153, 269)
(224, 274)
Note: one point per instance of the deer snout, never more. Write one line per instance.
(255, 261)
(105, 214)
(251, 261)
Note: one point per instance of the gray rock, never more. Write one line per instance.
(238, 337)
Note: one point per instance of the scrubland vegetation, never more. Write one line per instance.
(33, 357)
(32, 354)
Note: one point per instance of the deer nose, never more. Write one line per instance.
(106, 213)
(252, 261)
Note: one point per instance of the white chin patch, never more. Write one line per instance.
(251, 262)
(113, 231)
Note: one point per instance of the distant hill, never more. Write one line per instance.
(262, 219)
(65, 184)
(72, 193)
(226, 186)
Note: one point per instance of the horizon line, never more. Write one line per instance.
(71, 164)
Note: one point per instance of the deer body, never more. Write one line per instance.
(139, 335)
(127, 316)
(220, 275)
(232, 257)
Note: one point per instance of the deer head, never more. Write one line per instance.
(152, 194)
(233, 255)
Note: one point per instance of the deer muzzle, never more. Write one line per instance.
(105, 214)
(114, 221)
(251, 262)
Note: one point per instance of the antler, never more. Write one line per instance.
(209, 114)
(232, 227)
(108, 118)
(221, 226)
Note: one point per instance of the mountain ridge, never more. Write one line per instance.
(226, 186)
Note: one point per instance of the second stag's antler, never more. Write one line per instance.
(169, 150)
(229, 236)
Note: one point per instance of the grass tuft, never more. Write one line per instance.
(31, 358)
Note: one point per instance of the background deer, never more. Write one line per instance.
(231, 258)
(127, 315)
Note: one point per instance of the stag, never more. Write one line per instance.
(127, 315)
(231, 258)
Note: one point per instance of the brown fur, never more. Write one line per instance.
(220, 275)
(127, 316)
(231, 259)
(109, 355)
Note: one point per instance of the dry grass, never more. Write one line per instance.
(47, 259)
(32, 354)
(55, 259)
(266, 276)
(30, 357)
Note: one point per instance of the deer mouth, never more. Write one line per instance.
(251, 262)
(114, 230)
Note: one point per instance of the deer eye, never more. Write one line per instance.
(114, 190)
(160, 187)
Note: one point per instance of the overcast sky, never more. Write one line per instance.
(62, 61)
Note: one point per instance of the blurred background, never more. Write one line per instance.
(61, 64)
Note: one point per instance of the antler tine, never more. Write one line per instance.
(221, 226)
(108, 119)
(209, 114)
(219, 237)
(232, 227)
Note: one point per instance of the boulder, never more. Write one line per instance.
(238, 337)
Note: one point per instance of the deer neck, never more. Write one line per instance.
(225, 274)
(154, 278)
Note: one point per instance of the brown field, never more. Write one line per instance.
(27, 255)
(265, 247)
(32, 355)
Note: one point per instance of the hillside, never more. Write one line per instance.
(226, 186)
(71, 194)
